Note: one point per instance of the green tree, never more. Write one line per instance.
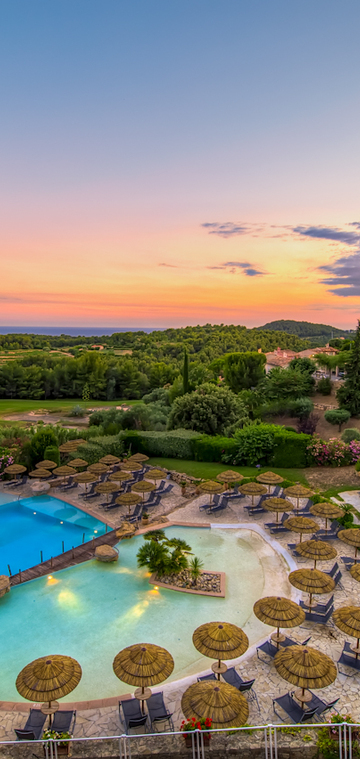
(195, 566)
(39, 442)
(52, 453)
(186, 372)
(337, 416)
(349, 394)
(208, 409)
(244, 371)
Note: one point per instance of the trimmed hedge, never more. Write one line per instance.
(174, 444)
(52, 453)
(290, 449)
(99, 447)
(212, 448)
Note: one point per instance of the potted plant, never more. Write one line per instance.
(145, 518)
(63, 746)
(338, 719)
(183, 487)
(190, 725)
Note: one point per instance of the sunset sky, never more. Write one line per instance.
(174, 162)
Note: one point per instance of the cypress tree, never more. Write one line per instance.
(349, 394)
(186, 372)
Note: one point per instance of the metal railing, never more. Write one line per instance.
(125, 746)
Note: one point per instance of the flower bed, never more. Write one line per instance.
(334, 452)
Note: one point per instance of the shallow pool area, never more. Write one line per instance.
(93, 610)
(40, 526)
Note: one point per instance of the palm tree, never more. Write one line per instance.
(196, 566)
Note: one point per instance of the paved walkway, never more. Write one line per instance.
(104, 720)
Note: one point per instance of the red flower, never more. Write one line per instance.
(198, 726)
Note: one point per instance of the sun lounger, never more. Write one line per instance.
(132, 717)
(279, 528)
(319, 608)
(244, 686)
(151, 502)
(219, 507)
(348, 561)
(321, 706)
(293, 710)
(212, 676)
(270, 649)
(215, 502)
(276, 525)
(33, 728)
(64, 722)
(160, 717)
(137, 513)
(348, 659)
(321, 619)
(336, 575)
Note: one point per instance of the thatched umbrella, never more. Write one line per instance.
(85, 478)
(306, 668)
(98, 468)
(316, 550)
(79, 463)
(221, 702)
(278, 612)
(351, 537)
(229, 476)
(109, 460)
(139, 457)
(120, 477)
(220, 640)
(40, 474)
(269, 478)
(143, 487)
(70, 446)
(347, 619)
(107, 488)
(46, 464)
(155, 474)
(15, 469)
(311, 581)
(277, 504)
(131, 466)
(143, 664)
(301, 525)
(128, 499)
(298, 491)
(253, 489)
(355, 572)
(64, 471)
(211, 487)
(49, 678)
(327, 510)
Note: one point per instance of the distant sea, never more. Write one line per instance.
(73, 331)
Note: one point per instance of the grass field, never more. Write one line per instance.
(208, 470)
(55, 407)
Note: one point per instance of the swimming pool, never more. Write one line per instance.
(44, 524)
(93, 610)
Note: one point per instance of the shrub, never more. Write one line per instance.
(253, 445)
(209, 409)
(334, 452)
(350, 434)
(308, 424)
(290, 449)
(6, 458)
(52, 453)
(324, 386)
(301, 407)
(337, 416)
(39, 442)
(99, 447)
(169, 444)
(77, 411)
(214, 448)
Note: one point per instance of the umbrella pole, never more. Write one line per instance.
(277, 517)
(219, 665)
(300, 537)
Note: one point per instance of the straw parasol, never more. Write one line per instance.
(351, 537)
(253, 489)
(277, 504)
(131, 466)
(305, 667)
(106, 487)
(316, 550)
(301, 525)
(221, 702)
(327, 510)
(229, 476)
(355, 572)
(220, 640)
(143, 664)
(143, 487)
(139, 457)
(98, 468)
(211, 487)
(48, 678)
(278, 612)
(70, 446)
(311, 581)
(46, 464)
(64, 471)
(269, 478)
(347, 619)
(155, 474)
(128, 499)
(119, 476)
(109, 460)
(40, 474)
(298, 491)
(78, 463)
(15, 469)
(84, 478)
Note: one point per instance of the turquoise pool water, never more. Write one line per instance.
(93, 610)
(41, 523)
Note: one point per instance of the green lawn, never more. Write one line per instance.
(208, 470)
(58, 406)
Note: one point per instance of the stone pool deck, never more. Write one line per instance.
(101, 718)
